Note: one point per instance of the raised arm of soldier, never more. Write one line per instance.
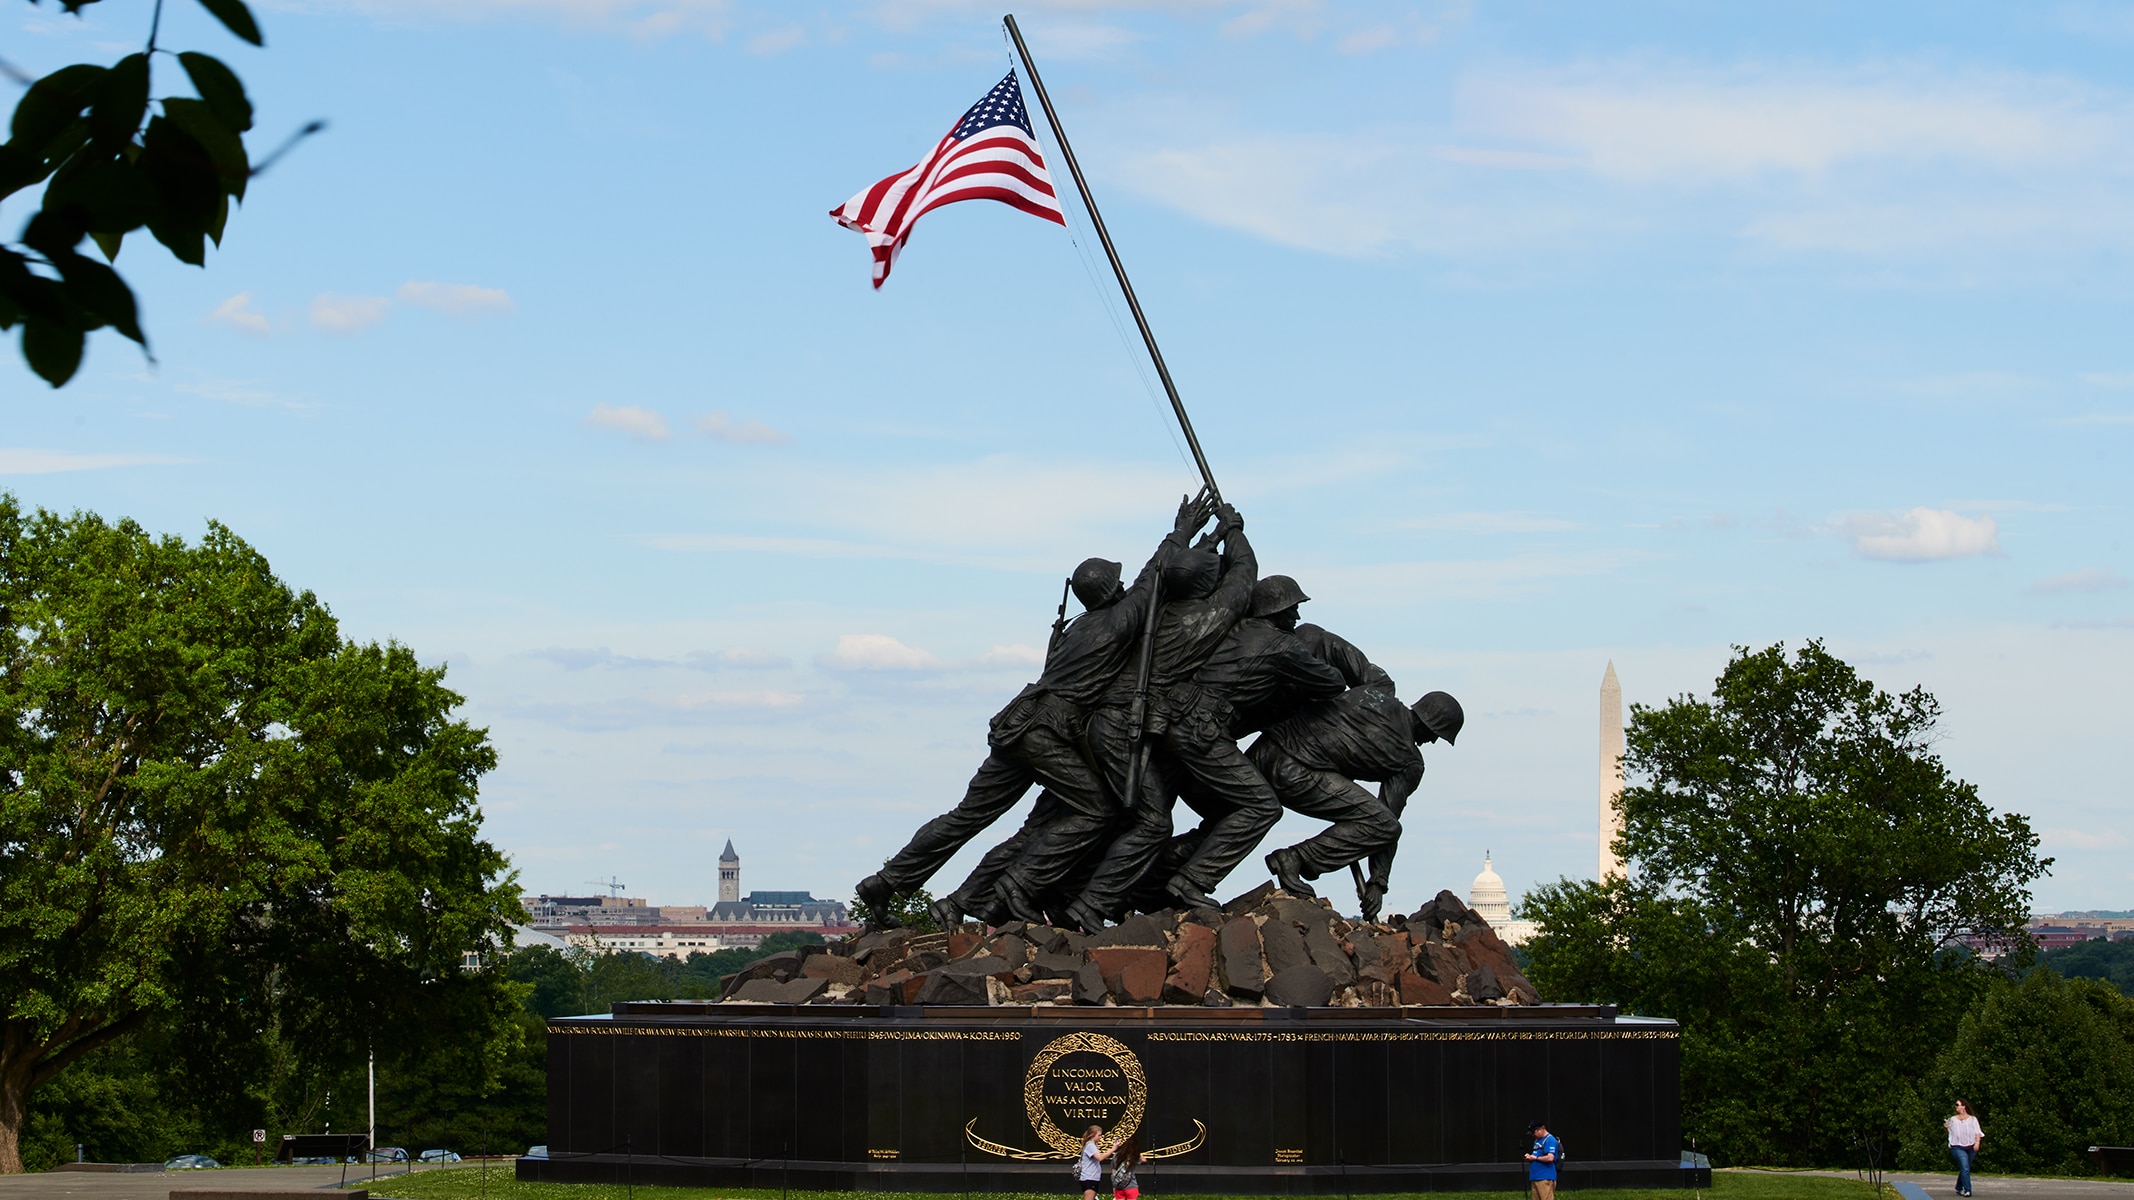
(1118, 610)
(1241, 568)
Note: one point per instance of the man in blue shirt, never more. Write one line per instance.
(1541, 1164)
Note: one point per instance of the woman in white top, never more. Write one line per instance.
(1089, 1173)
(1964, 1137)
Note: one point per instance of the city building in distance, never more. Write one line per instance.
(1488, 899)
(678, 930)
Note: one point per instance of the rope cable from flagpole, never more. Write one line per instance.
(1135, 353)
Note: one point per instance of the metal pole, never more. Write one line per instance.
(1096, 218)
(372, 1152)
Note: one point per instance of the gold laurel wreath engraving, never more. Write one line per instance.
(970, 1131)
(1200, 1134)
(1137, 1089)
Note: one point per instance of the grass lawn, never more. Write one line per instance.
(465, 1183)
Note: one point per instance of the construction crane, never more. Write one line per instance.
(615, 888)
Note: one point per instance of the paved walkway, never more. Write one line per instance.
(157, 1185)
(1999, 1187)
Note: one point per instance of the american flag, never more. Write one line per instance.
(991, 154)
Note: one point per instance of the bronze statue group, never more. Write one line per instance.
(1141, 704)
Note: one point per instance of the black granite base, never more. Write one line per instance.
(1237, 1101)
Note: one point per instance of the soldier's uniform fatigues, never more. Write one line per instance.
(1256, 666)
(1187, 633)
(1266, 696)
(1314, 757)
(1037, 738)
(1256, 708)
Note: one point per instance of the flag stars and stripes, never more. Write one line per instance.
(990, 154)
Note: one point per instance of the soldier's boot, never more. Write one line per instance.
(947, 913)
(877, 895)
(1084, 918)
(1288, 869)
(1189, 895)
(1015, 903)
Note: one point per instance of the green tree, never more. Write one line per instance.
(2047, 1063)
(913, 911)
(1802, 869)
(217, 816)
(554, 984)
(2112, 962)
(580, 980)
(111, 164)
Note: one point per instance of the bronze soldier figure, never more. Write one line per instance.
(1204, 597)
(1035, 739)
(1260, 666)
(1312, 760)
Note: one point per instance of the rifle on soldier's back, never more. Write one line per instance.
(1059, 623)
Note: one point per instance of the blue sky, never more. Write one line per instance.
(1527, 336)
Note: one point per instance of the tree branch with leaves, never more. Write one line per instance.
(112, 161)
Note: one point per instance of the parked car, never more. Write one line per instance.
(439, 1156)
(388, 1154)
(537, 1152)
(190, 1162)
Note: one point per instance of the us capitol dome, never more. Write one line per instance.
(1487, 898)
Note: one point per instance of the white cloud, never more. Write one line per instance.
(2084, 839)
(778, 41)
(798, 547)
(1919, 535)
(743, 657)
(1973, 385)
(1403, 584)
(1639, 122)
(1080, 40)
(347, 314)
(721, 428)
(243, 392)
(1489, 522)
(877, 652)
(998, 511)
(641, 423)
(2093, 579)
(1298, 18)
(1879, 160)
(575, 659)
(239, 312)
(52, 462)
(757, 699)
(640, 18)
(457, 299)
(1016, 655)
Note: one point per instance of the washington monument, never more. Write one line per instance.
(1611, 774)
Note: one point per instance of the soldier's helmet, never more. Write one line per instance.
(1440, 714)
(1096, 582)
(1275, 593)
(1191, 575)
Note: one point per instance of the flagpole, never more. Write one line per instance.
(1096, 218)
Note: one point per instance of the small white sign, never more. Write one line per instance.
(259, 1135)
